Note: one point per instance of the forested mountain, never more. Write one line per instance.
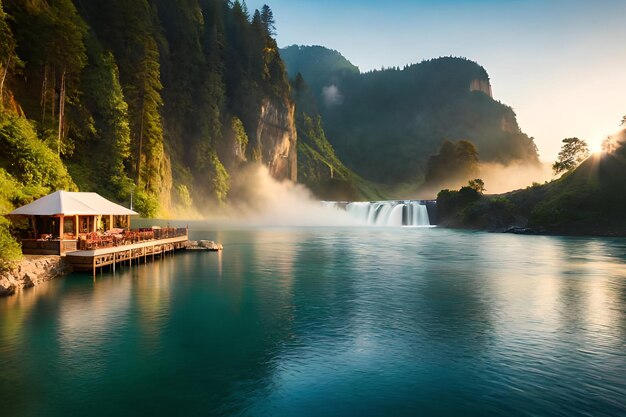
(386, 124)
(319, 168)
(159, 98)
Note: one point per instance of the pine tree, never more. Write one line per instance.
(8, 55)
(51, 36)
(129, 29)
(110, 139)
(267, 18)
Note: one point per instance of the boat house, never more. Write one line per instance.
(91, 231)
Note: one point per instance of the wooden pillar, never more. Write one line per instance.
(128, 222)
(110, 221)
(61, 246)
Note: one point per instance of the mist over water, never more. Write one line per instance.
(258, 199)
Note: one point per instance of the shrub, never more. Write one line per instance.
(27, 158)
(147, 205)
(10, 250)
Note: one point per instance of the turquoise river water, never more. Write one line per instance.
(329, 322)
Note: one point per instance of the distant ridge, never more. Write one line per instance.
(384, 124)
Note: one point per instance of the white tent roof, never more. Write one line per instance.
(70, 204)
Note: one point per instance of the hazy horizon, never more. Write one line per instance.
(556, 63)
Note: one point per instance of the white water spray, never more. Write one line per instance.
(386, 213)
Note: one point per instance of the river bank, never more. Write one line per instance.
(32, 270)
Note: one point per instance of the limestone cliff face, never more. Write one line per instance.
(478, 84)
(509, 123)
(276, 138)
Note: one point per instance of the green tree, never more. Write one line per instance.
(51, 36)
(455, 162)
(28, 159)
(108, 136)
(68, 56)
(10, 250)
(8, 55)
(220, 178)
(130, 29)
(478, 185)
(573, 152)
(267, 19)
(241, 137)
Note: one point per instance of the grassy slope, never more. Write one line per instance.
(321, 170)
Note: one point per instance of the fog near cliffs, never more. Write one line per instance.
(498, 179)
(501, 178)
(258, 199)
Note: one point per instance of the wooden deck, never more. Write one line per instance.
(91, 260)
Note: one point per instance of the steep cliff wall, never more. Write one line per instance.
(481, 85)
(276, 138)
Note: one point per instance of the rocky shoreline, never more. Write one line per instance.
(32, 270)
(203, 245)
(36, 269)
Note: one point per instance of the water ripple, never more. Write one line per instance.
(330, 322)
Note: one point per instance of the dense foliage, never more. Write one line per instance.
(28, 159)
(138, 95)
(455, 163)
(11, 192)
(572, 153)
(28, 170)
(385, 124)
(154, 100)
(319, 168)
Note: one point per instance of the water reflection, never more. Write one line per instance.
(330, 322)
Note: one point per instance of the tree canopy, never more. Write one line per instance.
(139, 95)
(572, 153)
(456, 163)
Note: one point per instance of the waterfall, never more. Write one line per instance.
(386, 213)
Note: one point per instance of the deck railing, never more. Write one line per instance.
(113, 238)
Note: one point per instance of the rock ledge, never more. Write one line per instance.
(203, 245)
(31, 271)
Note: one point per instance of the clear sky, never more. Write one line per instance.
(561, 64)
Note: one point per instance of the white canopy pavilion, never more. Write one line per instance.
(59, 219)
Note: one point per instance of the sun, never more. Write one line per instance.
(595, 148)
